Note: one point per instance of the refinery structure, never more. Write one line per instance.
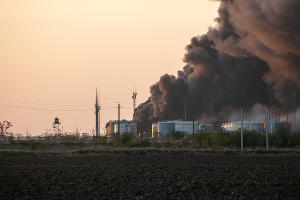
(162, 128)
(272, 122)
(115, 127)
(257, 126)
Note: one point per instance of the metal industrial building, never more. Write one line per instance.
(273, 126)
(260, 127)
(162, 128)
(125, 127)
(248, 125)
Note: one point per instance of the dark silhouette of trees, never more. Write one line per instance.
(4, 126)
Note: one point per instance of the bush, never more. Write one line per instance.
(175, 135)
(139, 143)
(294, 139)
(223, 139)
(115, 141)
(200, 139)
(68, 137)
(235, 139)
(100, 140)
(282, 138)
(125, 138)
(253, 139)
(167, 144)
(187, 141)
(156, 144)
(279, 139)
(34, 145)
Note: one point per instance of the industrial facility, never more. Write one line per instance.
(126, 126)
(273, 126)
(260, 127)
(162, 128)
(247, 125)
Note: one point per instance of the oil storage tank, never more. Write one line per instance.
(162, 128)
(248, 125)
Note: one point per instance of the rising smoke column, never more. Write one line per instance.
(251, 57)
(268, 29)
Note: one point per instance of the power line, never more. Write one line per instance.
(44, 104)
(43, 109)
(107, 108)
(47, 104)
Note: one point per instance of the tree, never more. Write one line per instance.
(4, 126)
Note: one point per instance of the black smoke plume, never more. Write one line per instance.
(252, 56)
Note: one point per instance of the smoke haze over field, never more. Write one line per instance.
(252, 57)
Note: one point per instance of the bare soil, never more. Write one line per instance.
(149, 175)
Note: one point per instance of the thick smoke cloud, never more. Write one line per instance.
(252, 57)
(268, 29)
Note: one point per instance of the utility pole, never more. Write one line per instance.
(294, 114)
(27, 134)
(193, 127)
(211, 107)
(119, 113)
(134, 94)
(267, 127)
(97, 110)
(242, 130)
(184, 111)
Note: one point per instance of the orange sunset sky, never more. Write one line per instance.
(57, 51)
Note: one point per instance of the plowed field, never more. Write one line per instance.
(153, 175)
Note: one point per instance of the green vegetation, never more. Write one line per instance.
(102, 140)
(139, 143)
(176, 135)
(125, 138)
(284, 139)
(34, 145)
(251, 139)
(229, 140)
(209, 140)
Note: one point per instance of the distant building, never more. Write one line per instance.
(256, 126)
(162, 128)
(248, 125)
(125, 127)
(273, 126)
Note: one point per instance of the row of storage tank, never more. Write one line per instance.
(162, 128)
(257, 126)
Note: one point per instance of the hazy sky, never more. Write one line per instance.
(57, 51)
